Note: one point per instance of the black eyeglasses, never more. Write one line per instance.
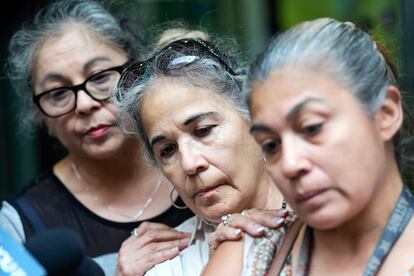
(189, 51)
(60, 101)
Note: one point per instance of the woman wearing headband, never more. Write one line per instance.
(327, 113)
(186, 104)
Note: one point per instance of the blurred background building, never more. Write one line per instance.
(250, 22)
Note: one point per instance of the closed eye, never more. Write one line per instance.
(312, 130)
(203, 131)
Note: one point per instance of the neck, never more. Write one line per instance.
(269, 196)
(127, 167)
(359, 236)
(120, 188)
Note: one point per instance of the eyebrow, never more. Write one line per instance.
(157, 139)
(300, 106)
(198, 117)
(56, 76)
(192, 119)
(259, 128)
(289, 117)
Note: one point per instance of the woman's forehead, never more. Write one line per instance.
(284, 90)
(176, 102)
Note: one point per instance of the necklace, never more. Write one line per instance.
(88, 188)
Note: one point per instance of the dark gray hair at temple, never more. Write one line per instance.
(49, 22)
(206, 72)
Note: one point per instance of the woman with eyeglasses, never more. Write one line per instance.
(64, 64)
(186, 104)
(328, 114)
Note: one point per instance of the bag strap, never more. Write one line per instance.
(285, 248)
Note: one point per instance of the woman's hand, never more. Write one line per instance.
(251, 221)
(150, 244)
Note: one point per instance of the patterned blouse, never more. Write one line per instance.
(259, 252)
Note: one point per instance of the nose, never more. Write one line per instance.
(294, 159)
(85, 104)
(192, 158)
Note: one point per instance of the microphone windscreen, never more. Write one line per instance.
(59, 250)
(89, 267)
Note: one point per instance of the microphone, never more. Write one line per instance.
(89, 267)
(61, 252)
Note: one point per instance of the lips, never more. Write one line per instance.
(309, 196)
(98, 131)
(205, 190)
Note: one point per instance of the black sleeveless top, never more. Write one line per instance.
(47, 203)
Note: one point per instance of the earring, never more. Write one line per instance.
(264, 159)
(173, 203)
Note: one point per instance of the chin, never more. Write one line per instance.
(321, 221)
(215, 212)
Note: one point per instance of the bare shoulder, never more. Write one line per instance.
(227, 260)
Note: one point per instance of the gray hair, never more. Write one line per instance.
(342, 51)
(205, 71)
(49, 22)
(339, 49)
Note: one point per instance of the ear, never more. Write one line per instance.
(389, 116)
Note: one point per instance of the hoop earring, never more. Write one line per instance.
(173, 203)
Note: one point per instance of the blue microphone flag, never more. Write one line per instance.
(15, 260)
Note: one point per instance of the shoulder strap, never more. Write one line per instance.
(30, 213)
(285, 248)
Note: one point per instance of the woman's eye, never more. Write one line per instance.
(59, 94)
(312, 129)
(269, 147)
(101, 78)
(167, 150)
(203, 131)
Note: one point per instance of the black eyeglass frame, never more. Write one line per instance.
(181, 42)
(76, 88)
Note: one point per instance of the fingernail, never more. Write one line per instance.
(174, 250)
(237, 232)
(184, 241)
(260, 229)
(284, 212)
(278, 221)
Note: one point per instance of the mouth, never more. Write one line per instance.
(309, 197)
(98, 131)
(206, 191)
